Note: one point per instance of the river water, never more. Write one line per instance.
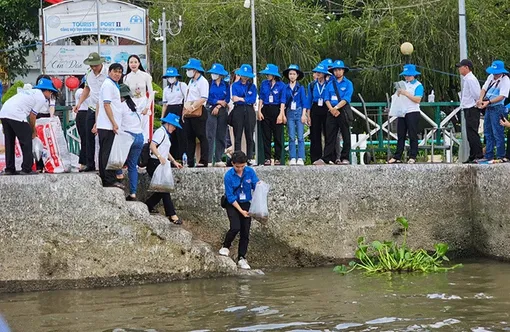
(473, 298)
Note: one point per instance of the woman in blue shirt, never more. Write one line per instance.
(239, 183)
(272, 113)
(295, 104)
(217, 104)
(243, 117)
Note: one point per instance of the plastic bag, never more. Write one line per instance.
(37, 148)
(55, 155)
(398, 106)
(120, 150)
(258, 208)
(162, 179)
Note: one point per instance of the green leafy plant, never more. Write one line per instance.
(12, 91)
(388, 256)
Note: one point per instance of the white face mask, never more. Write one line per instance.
(190, 73)
(171, 80)
(215, 76)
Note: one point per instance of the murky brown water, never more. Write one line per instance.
(474, 298)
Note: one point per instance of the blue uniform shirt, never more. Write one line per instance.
(296, 95)
(318, 92)
(345, 90)
(233, 187)
(218, 92)
(247, 91)
(277, 92)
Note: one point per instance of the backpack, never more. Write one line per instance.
(145, 155)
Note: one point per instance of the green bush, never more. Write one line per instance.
(12, 91)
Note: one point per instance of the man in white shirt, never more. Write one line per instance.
(109, 117)
(469, 95)
(25, 104)
(93, 81)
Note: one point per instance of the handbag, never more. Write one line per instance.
(187, 105)
(223, 199)
(346, 108)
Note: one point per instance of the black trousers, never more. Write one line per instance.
(178, 137)
(333, 125)
(106, 138)
(195, 128)
(81, 125)
(40, 163)
(91, 139)
(23, 132)
(271, 130)
(472, 116)
(318, 115)
(244, 118)
(155, 198)
(238, 223)
(407, 125)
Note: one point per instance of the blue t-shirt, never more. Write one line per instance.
(345, 90)
(277, 92)
(218, 92)
(233, 187)
(247, 91)
(316, 91)
(296, 95)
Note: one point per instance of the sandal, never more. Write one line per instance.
(277, 162)
(267, 162)
(394, 161)
(411, 161)
(177, 221)
(120, 176)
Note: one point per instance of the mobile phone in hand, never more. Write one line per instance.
(503, 117)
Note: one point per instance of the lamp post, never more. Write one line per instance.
(464, 148)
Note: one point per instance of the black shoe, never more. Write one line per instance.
(88, 169)
(9, 172)
(130, 198)
(28, 173)
(116, 185)
(153, 211)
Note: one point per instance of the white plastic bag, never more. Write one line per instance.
(120, 150)
(162, 179)
(258, 208)
(398, 106)
(37, 148)
(55, 155)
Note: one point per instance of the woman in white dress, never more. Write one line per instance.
(140, 83)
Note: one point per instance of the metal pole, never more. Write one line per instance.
(254, 64)
(464, 148)
(98, 29)
(163, 35)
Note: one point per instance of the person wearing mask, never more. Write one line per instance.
(109, 121)
(173, 101)
(469, 95)
(317, 112)
(94, 79)
(160, 147)
(244, 95)
(217, 108)
(271, 113)
(195, 117)
(131, 124)
(408, 124)
(81, 123)
(295, 104)
(14, 114)
(337, 97)
(239, 182)
(492, 98)
(140, 83)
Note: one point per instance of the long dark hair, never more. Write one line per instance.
(140, 67)
(131, 104)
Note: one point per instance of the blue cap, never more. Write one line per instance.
(497, 67)
(327, 63)
(45, 84)
(410, 70)
(217, 68)
(321, 69)
(172, 119)
(270, 70)
(194, 64)
(245, 70)
(338, 64)
(171, 72)
(296, 69)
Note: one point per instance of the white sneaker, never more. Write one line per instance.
(220, 164)
(209, 165)
(292, 162)
(319, 162)
(300, 162)
(224, 252)
(243, 264)
(252, 162)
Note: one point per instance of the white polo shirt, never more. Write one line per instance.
(197, 89)
(470, 91)
(109, 94)
(19, 106)
(85, 105)
(174, 94)
(160, 137)
(49, 103)
(94, 83)
(131, 121)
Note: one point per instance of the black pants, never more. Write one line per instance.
(195, 128)
(40, 163)
(106, 138)
(238, 223)
(243, 118)
(23, 132)
(472, 116)
(271, 130)
(91, 139)
(178, 137)
(155, 198)
(333, 125)
(81, 125)
(318, 116)
(407, 126)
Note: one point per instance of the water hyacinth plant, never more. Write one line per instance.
(389, 256)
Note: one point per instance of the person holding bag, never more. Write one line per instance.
(160, 154)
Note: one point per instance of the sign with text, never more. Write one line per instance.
(68, 60)
(70, 18)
